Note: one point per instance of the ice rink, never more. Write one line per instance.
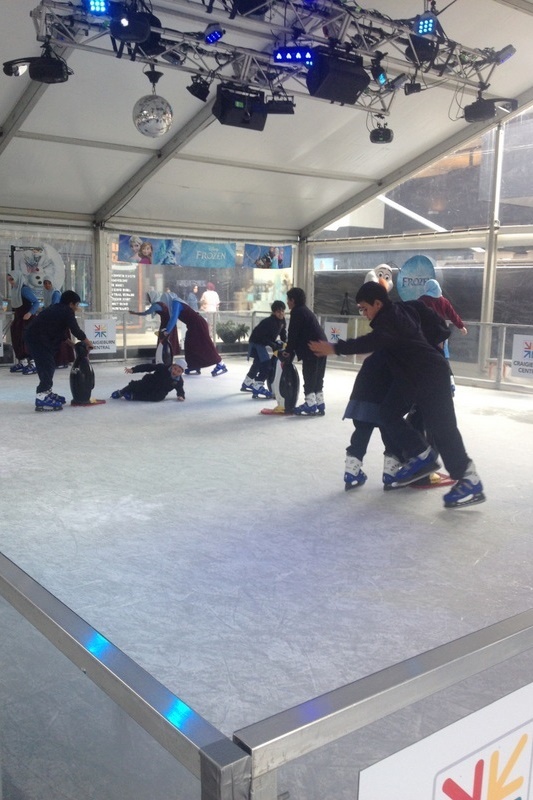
(218, 548)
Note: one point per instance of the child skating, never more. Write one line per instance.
(155, 385)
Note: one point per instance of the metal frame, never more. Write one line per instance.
(222, 767)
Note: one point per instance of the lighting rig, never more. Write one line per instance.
(334, 50)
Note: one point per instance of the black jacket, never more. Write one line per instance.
(157, 384)
(268, 331)
(304, 327)
(47, 329)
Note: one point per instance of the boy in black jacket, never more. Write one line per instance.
(155, 386)
(303, 328)
(421, 376)
(270, 332)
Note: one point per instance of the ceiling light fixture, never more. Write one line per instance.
(16, 67)
(152, 114)
(46, 68)
(199, 88)
(381, 134)
(213, 33)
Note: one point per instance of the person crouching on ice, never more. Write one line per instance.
(155, 386)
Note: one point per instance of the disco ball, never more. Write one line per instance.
(152, 115)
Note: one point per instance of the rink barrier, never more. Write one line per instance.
(222, 767)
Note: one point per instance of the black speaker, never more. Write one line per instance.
(333, 77)
(242, 109)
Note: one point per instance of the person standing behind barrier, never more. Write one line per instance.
(433, 298)
(192, 297)
(25, 305)
(303, 328)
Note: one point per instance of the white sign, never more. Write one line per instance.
(522, 363)
(485, 756)
(335, 331)
(102, 333)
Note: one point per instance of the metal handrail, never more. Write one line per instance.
(223, 768)
(290, 734)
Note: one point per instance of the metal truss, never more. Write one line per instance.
(342, 28)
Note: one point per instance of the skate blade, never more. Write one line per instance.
(473, 501)
(349, 486)
(423, 473)
(433, 481)
(59, 408)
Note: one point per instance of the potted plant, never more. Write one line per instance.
(231, 332)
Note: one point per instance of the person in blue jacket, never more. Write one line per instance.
(25, 305)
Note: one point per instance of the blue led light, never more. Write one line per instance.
(425, 25)
(98, 7)
(179, 714)
(97, 644)
(293, 55)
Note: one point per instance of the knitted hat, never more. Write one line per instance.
(180, 362)
(432, 288)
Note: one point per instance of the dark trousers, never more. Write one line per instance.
(313, 371)
(261, 367)
(45, 362)
(435, 403)
(361, 437)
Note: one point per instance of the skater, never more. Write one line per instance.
(198, 345)
(25, 305)
(303, 328)
(43, 338)
(155, 386)
(420, 375)
(432, 298)
(161, 308)
(50, 294)
(269, 333)
(64, 355)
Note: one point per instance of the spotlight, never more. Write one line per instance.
(17, 67)
(337, 78)
(397, 82)
(97, 8)
(199, 88)
(381, 135)
(213, 33)
(173, 57)
(482, 110)
(378, 73)
(280, 105)
(412, 88)
(503, 55)
(131, 26)
(421, 50)
(293, 55)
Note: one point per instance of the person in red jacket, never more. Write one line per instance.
(433, 298)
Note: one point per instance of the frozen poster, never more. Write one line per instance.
(37, 264)
(267, 257)
(148, 250)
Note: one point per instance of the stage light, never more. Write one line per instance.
(199, 88)
(426, 24)
(293, 55)
(16, 67)
(378, 73)
(412, 88)
(503, 55)
(421, 50)
(213, 33)
(280, 105)
(131, 26)
(482, 110)
(398, 82)
(241, 108)
(97, 8)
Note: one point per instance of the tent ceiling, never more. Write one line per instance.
(71, 150)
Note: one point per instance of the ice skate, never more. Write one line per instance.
(116, 395)
(418, 467)
(260, 392)
(391, 465)
(309, 408)
(247, 385)
(353, 475)
(193, 371)
(17, 367)
(58, 397)
(220, 369)
(46, 402)
(467, 491)
(320, 404)
(29, 368)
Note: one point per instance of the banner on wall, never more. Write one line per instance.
(216, 255)
(148, 250)
(258, 256)
(37, 264)
(485, 756)
(335, 331)
(412, 277)
(522, 362)
(102, 333)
